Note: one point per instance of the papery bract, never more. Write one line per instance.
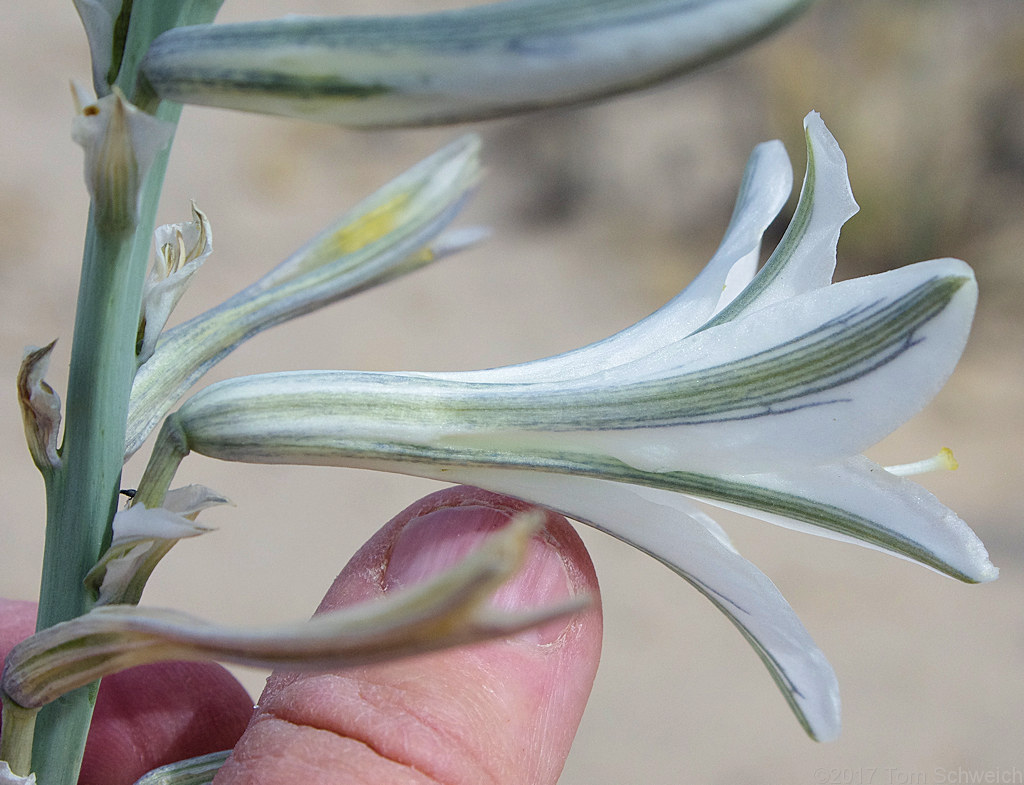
(121, 143)
(40, 407)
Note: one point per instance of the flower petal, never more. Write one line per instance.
(804, 261)
(121, 143)
(40, 407)
(190, 500)
(138, 523)
(859, 501)
(8, 777)
(766, 185)
(141, 538)
(98, 18)
(812, 379)
(680, 536)
(486, 61)
(805, 258)
(181, 250)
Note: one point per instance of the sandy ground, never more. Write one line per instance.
(600, 215)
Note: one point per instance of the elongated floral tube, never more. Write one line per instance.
(792, 387)
(486, 61)
(393, 232)
(759, 399)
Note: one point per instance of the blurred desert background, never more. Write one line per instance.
(599, 215)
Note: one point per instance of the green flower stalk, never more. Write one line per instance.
(126, 150)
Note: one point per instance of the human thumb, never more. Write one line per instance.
(499, 713)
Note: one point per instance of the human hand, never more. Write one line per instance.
(501, 712)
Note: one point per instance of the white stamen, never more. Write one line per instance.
(943, 460)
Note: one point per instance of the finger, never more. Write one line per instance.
(151, 715)
(499, 713)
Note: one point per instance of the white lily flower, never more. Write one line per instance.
(181, 250)
(750, 392)
(489, 60)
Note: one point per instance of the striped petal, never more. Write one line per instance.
(858, 501)
(805, 258)
(766, 185)
(810, 380)
(727, 287)
(680, 536)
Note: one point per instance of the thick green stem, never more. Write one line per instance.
(84, 493)
(82, 496)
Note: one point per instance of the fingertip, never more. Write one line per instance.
(502, 712)
(157, 714)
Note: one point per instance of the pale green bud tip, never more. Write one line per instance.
(192, 771)
(121, 142)
(40, 407)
